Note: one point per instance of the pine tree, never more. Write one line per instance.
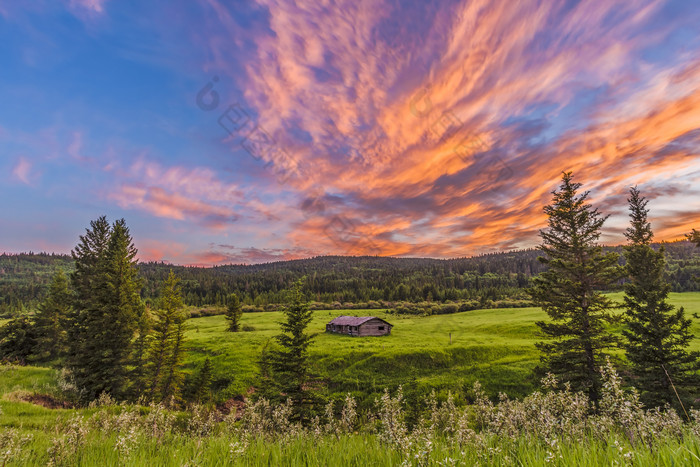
(569, 290)
(201, 387)
(233, 313)
(290, 362)
(165, 351)
(106, 309)
(122, 308)
(174, 377)
(52, 319)
(657, 334)
(90, 276)
(139, 359)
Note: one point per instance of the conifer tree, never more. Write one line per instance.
(106, 309)
(165, 353)
(569, 291)
(290, 362)
(657, 334)
(201, 392)
(122, 308)
(174, 377)
(90, 276)
(52, 319)
(139, 359)
(234, 313)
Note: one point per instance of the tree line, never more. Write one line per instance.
(332, 280)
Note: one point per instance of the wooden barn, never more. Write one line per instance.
(359, 326)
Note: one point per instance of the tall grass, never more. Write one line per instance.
(553, 427)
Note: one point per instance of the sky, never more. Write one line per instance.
(255, 131)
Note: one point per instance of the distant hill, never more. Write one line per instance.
(24, 278)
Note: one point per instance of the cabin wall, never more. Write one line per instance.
(374, 327)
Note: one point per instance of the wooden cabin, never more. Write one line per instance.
(359, 326)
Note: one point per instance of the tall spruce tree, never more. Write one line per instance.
(290, 362)
(233, 313)
(122, 307)
(657, 334)
(52, 319)
(165, 352)
(107, 306)
(570, 290)
(89, 277)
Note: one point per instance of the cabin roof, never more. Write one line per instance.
(353, 320)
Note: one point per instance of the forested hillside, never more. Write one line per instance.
(24, 278)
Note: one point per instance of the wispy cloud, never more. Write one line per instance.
(216, 254)
(96, 6)
(22, 171)
(178, 193)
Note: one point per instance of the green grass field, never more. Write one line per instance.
(493, 346)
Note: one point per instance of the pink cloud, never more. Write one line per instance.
(171, 205)
(179, 253)
(22, 171)
(96, 6)
(76, 146)
(184, 194)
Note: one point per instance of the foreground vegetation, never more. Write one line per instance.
(552, 427)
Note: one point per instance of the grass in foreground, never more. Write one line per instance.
(553, 427)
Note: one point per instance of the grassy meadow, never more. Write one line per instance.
(493, 346)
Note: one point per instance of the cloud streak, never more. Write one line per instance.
(179, 193)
